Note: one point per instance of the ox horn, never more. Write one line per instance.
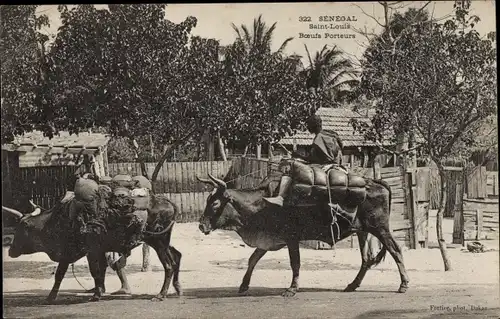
(36, 212)
(219, 182)
(206, 181)
(12, 211)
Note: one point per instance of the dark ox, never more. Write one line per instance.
(268, 228)
(54, 232)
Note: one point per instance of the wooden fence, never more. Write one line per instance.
(178, 181)
(177, 177)
(45, 185)
(479, 220)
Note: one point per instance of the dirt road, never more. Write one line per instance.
(213, 266)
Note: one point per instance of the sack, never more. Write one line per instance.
(141, 198)
(85, 189)
(105, 180)
(124, 181)
(142, 182)
(121, 191)
(310, 185)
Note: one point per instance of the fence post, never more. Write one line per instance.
(479, 223)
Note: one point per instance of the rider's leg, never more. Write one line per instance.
(285, 183)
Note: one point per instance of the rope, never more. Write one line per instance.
(334, 219)
(234, 179)
(78, 281)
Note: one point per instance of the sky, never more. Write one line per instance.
(214, 21)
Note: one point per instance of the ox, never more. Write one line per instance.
(270, 228)
(55, 233)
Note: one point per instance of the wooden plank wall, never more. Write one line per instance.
(399, 218)
(480, 220)
(176, 177)
(46, 185)
(178, 180)
(492, 184)
(477, 182)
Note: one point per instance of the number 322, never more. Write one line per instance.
(304, 19)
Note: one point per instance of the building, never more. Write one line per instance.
(357, 151)
(36, 167)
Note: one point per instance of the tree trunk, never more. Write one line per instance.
(151, 145)
(144, 171)
(167, 153)
(221, 147)
(439, 217)
(145, 258)
(259, 149)
(245, 151)
(270, 154)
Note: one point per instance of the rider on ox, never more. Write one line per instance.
(324, 151)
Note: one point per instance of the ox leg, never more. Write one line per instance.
(294, 253)
(62, 267)
(93, 290)
(166, 260)
(252, 262)
(390, 244)
(176, 257)
(367, 260)
(98, 265)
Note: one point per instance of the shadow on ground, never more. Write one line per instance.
(45, 270)
(307, 265)
(426, 314)
(37, 297)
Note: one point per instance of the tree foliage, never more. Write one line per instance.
(433, 82)
(438, 84)
(21, 61)
(266, 99)
(331, 74)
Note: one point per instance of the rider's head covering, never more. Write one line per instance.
(314, 124)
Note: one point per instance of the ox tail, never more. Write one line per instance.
(380, 257)
(376, 260)
(162, 232)
(386, 186)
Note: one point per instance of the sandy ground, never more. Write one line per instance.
(212, 269)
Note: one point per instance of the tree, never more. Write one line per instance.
(268, 99)
(21, 55)
(330, 74)
(116, 69)
(437, 83)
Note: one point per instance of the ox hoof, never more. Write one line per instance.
(122, 291)
(243, 290)
(94, 290)
(290, 292)
(158, 297)
(350, 288)
(178, 289)
(403, 288)
(94, 298)
(50, 299)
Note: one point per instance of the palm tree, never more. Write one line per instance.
(330, 73)
(251, 51)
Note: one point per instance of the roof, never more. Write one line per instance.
(87, 143)
(335, 119)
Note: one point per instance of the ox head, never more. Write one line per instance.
(27, 237)
(219, 212)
